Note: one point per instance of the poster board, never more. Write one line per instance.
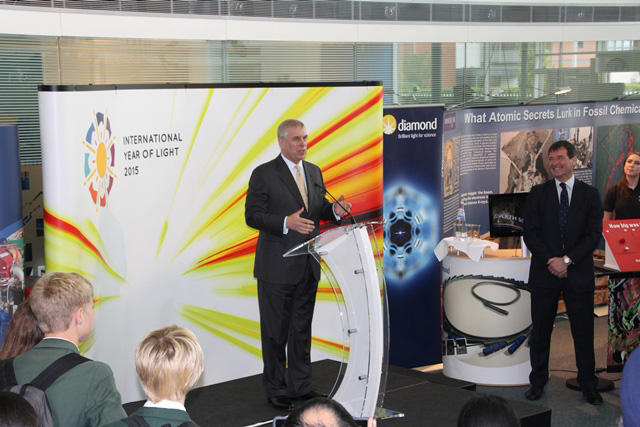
(504, 149)
(144, 189)
(11, 228)
(622, 250)
(413, 217)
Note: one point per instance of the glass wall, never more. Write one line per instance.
(454, 74)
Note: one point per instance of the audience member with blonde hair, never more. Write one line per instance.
(23, 332)
(86, 395)
(169, 362)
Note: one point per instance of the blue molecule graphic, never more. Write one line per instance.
(410, 231)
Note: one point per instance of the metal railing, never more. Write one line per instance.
(452, 12)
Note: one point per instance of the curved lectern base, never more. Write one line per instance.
(382, 413)
(350, 259)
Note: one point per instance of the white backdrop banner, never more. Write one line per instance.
(144, 193)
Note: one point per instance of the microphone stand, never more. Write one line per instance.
(336, 200)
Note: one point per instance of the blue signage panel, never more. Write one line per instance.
(412, 212)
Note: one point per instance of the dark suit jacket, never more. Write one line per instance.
(84, 396)
(157, 417)
(273, 195)
(542, 234)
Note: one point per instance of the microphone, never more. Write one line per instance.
(335, 200)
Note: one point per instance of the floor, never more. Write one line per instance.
(567, 405)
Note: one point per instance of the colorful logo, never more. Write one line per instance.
(99, 159)
(389, 124)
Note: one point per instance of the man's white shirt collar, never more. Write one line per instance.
(569, 182)
(63, 339)
(165, 404)
(292, 166)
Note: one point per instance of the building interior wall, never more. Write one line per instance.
(413, 72)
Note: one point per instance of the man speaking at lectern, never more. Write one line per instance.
(285, 202)
(562, 228)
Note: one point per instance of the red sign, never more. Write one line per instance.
(623, 243)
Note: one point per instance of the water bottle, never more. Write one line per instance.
(460, 227)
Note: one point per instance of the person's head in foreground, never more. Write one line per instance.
(169, 362)
(320, 412)
(63, 305)
(487, 411)
(15, 411)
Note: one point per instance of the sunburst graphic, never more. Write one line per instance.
(194, 253)
(389, 124)
(99, 159)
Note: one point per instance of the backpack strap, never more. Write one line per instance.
(56, 369)
(135, 421)
(139, 421)
(8, 377)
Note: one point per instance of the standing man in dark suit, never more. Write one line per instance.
(285, 202)
(562, 228)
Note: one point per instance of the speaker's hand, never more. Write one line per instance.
(302, 225)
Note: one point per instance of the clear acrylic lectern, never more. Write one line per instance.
(351, 260)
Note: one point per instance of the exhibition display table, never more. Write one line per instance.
(474, 248)
(487, 313)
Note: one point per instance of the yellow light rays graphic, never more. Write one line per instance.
(352, 132)
(203, 112)
(228, 229)
(330, 347)
(355, 146)
(225, 144)
(220, 257)
(214, 322)
(217, 323)
(86, 346)
(194, 203)
(325, 293)
(73, 246)
(241, 266)
(99, 300)
(239, 117)
(53, 265)
(303, 104)
(299, 107)
(240, 325)
(72, 257)
(243, 291)
(163, 235)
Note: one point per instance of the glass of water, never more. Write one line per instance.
(473, 231)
